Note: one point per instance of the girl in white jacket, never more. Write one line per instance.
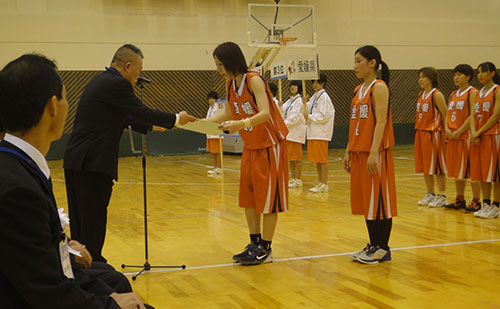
(321, 114)
(292, 112)
(213, 140)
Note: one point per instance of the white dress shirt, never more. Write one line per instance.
(31, 151)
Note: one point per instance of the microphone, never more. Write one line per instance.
(142, 79)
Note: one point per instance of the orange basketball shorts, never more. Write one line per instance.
(430, 152)
(484, 165)
(213, 145)
(317, 151)
(457, 158)
(294, 150)
(373, 196)
(264, 179)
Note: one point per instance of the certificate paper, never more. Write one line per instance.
(202, 126)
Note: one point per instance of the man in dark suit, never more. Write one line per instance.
(107, 106)
(35, 267)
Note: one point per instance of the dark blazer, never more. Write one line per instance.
(31, 274)
(107, 106)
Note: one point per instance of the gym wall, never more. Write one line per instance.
(178, 37)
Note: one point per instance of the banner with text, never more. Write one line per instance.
(305, 67)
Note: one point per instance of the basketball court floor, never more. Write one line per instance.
(440, 258)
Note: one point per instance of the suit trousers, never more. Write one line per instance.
(88, 196)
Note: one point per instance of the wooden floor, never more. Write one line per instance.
(441, 258)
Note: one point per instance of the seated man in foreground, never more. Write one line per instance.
(35, 268)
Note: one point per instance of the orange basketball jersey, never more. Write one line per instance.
(459, 110)
(362, 123)
(242, 103)
(428, 115)
(483, 109)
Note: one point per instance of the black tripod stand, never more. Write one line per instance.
(146, 266)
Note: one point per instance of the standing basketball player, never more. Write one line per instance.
(457, 129)
(264, 171)
(485, 132)
(429, 137)
(368, 157)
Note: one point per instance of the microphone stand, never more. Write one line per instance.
(146, 266)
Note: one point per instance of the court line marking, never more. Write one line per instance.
(310, 257)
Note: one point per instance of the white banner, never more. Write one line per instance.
(279, 70)
(305, 67)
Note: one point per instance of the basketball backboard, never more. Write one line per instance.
(273, 26)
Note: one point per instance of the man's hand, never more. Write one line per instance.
(157, 128)
(184, 118)
(86, 259)
(128, 300)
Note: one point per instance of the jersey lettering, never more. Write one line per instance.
(425, 107)
(486, 106)
(363, 111)
(247, 108)
(460, 105)
(451, 106)
(353, 114)
(236, 108)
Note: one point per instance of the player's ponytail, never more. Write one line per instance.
(385, 72)
(371, 52)
(490, 67)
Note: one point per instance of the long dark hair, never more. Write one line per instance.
(371, 52)
(490, 67)
(232, 58)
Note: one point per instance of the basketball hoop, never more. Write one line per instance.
(283, 41)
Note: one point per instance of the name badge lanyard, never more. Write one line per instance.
(47, 181)
(314, 103)
(289, 106)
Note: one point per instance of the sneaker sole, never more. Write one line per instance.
(269, 259)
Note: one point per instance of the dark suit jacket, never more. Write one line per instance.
(31, 274)
(107, 106)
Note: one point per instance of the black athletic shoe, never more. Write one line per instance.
(456, 204)
(257, 255)
(239, 256)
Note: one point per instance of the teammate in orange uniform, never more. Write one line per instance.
(264, 169)
(213, 142)
(485, 132)
(457, 129)
(429, 137)
(368, 157)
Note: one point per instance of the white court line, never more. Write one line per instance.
(310, 257)
(218, 183)
(204, 165)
